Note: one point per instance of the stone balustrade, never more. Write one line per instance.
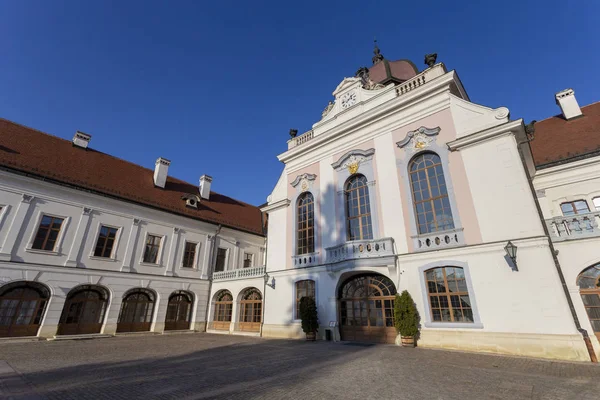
(358, 249)
(574, 226)
(241, 273)
(439, 240)
(306, 260)
(298, 140)
(420, 80)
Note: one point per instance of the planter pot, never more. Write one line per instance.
(311, 337)
(408, 341)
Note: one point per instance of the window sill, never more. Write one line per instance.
(147, 264)
(110, 259)
(459, 325)
(45, 252)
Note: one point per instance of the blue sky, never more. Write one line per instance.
(216, 86)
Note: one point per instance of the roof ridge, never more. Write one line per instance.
(178, 180)
(558, 115)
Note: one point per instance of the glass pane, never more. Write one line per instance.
(581, 206)
(567, 209)
(597, 203)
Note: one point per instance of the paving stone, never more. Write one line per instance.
(205, 366)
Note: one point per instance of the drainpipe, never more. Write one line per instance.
(262, 318)
(211, 268)
(529, 129)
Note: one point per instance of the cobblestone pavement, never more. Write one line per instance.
(201, 366)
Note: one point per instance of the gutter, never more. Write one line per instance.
(583, 332)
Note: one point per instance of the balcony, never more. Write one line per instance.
(306, 260)
(574, 227)
(359, 249)
(439, 240)
(242, 273)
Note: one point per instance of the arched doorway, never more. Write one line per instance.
(84, 310)
(179, 311)
(223, 310)
(22, 306)
(250, 310)
(589, 289)
(366, 304)
(136, 311)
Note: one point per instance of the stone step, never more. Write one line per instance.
(82, 337)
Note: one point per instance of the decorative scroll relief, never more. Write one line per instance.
(353, 159)
(419, 139)
(303, 181)
(327, 109)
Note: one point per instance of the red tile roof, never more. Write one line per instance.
(34, 152)
(557, 139)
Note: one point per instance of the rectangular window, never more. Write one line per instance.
(47, 234)
(248, 258)
(597, 203)
(574, 207)
(106, 241)
(189, 255)
(221, 258)
(152, 248)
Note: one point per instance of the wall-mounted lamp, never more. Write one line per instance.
(272, 284)
(511, 252)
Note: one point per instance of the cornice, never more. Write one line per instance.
(276, 206)
(487, 134)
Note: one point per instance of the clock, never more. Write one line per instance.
(348, 100)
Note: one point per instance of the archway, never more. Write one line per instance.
(223, 307)
(22, 306)
(84, 310)
(589, 289)
(250, 315)
(136, 311)
(366, 305)
(179, 311)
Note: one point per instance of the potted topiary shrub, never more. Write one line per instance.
(406, 318)
(308, 315)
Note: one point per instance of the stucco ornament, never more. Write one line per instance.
(304, 185)
(302, 181)
(352, 160)
(418, 139)
(327, 109)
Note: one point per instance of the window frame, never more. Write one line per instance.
(159, 252)
(575, 211)
(301, 196)
(226, 259)
(429, 323)
(114, 249)
(296, 299)
(194, 258)
(59, 239)
(359, 216)
(594, 199)
(251, 260)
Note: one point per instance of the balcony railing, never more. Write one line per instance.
(573, 227)
(241, 273)
(358, 249)
(306, 260)
(298, 140)
(439, 240)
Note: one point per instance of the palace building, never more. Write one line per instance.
(403, 183)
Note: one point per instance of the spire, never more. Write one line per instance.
(378, 56)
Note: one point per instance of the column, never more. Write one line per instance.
(15, 227)
(82, 227)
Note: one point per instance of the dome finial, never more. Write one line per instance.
(378, 56)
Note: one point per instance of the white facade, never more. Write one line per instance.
(377, 132)
(72, 263)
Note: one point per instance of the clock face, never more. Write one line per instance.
(348, 100)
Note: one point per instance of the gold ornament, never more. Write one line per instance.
(304, 186)
(353, 168)
(419, 144)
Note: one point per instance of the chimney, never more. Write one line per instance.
(161, 171)
(81, 139)
(568, 104)
(205, 182)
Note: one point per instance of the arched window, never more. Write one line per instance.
(223, 309)
(136, 311)
(250, 310)
(306, 224)
(305, 288)
(84, 310)
(430, 194)
(358, 209)
(22, 306)
(589, 289)
(179, 311)
(448, 295)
